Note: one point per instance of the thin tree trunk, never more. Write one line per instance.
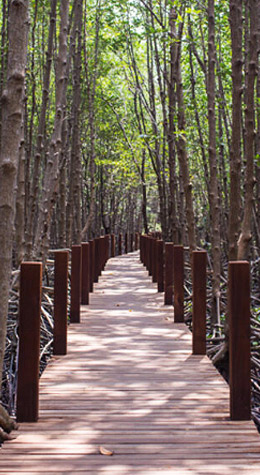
(236, 24)
(92, 80)
(75, 159)
(173, 234)
(12, 118)
(184, 164)
(52, 167)
(213, 185)
(20, 206)
(246, 228)
(34, 190)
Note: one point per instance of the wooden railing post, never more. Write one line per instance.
(168, 276)
(155, 260)
(120, 244)
(29, 342)
(239, 340)
(104, 252)
(107, 246)
(137, 240)
(178, 283)
(150, 261)
(61, 274)
(75, 286)
(199, 299)
(160, 265)
(91, 264)
(141, 249)
(113, 245)
(97, 252)
(85, 273)
(147, 252)
(131, 242)
(126, 243)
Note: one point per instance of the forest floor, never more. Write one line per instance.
(129, 397)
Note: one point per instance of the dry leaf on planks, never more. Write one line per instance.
(105, 451)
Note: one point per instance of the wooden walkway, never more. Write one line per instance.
(130, 384)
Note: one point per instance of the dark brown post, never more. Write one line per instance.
(131, 242)
(126, 243)
(61, 274)
(142, 248)
(113, 245)
(75, 286)
(199, 296)
(178, 283)
(91, 264)
(146, 252)
(137, 237)
(160, 265)
(29, 346)
(102, 254)
(120, 244)
(168, 276)
(107, 243)
(85, 273)
(97, 250)
(239, 340)
(150, 246)
(155, 260)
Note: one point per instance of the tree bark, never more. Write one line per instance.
(75, 159)
(246, 228)
(236, 25)
(92, 81)
(213, 184)
(34, 189)
(51, 175)
(184, 164)
(12, 118)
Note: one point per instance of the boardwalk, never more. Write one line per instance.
(130, 384)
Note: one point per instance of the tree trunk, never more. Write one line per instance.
(75, 159)
(183, 161)
(92, 79)
(236, 24)
(51, 176)
(213, 184)
(12, 118)
(246, 228)
(20, 206)
(34, 190)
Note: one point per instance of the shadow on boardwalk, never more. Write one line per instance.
(130, 384)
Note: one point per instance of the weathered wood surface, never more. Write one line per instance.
(130, 384)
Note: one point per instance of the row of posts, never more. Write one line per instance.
(165, 263)
(87, 262)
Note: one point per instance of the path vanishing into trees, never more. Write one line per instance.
(130, 385)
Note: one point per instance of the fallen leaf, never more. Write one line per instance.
(105, 451)
(168, 319)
